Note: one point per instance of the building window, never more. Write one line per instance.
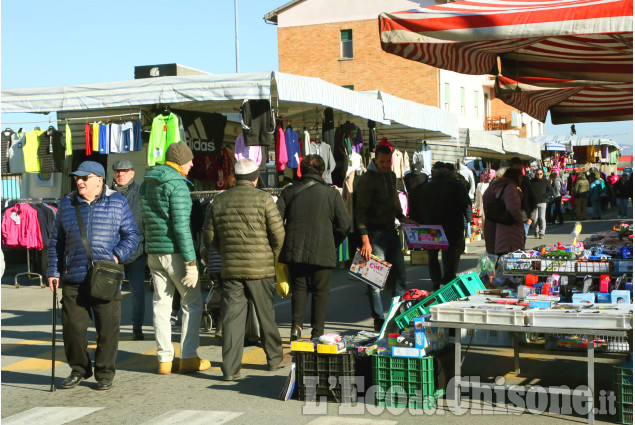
(351, 87)
(476, 103)
(447, 96)
(462, 100)
(346, 37)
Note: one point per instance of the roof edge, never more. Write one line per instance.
(272, 16)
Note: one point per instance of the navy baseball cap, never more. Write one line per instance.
(90, 167)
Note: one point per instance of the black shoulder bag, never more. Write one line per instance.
(496, 210)
(104, 276)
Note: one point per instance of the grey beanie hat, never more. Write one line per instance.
(179, 153)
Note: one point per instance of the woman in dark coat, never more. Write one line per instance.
(501, 238)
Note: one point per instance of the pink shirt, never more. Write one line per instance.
(281, 150)
(26, 233)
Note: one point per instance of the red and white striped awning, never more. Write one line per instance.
(568, 100)
(565, 39)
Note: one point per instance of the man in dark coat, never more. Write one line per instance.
(111, 234)
(316, 222)
(376, 208)
(442, 202)
(135, 268)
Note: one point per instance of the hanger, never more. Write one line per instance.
(166, 112)
(36, 128)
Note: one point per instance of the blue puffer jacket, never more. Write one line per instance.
(110, 229)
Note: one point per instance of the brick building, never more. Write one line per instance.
(338, 41)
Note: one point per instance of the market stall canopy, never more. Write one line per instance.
(292, 96)
(408, 116)
(484, 144)
(568, 39)
(522, 148)
(568, 100)
(584, 40)
(574, 141)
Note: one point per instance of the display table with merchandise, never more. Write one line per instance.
(515, 330)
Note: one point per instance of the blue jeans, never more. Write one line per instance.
(622, 207)
(387, 246)
(136, 273)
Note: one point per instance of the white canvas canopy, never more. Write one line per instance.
(294, 97)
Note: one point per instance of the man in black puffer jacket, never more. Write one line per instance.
(316, 222)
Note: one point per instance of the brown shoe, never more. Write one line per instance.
(195, 364)
(286, 359)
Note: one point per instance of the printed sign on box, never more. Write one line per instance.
(374, 271)
(425, 237)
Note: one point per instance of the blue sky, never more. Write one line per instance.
(75, 42)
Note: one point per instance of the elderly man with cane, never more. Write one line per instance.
(94, 224)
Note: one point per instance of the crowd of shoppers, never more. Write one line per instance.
(151, 225)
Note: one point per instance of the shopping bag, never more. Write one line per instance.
(283, 280)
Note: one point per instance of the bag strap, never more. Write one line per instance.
(502, 191)
(82, 231)
(296, 193)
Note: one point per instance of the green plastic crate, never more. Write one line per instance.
(327, 369)
(462, 286)
(623, 387)
(404, 382)
(625, 413)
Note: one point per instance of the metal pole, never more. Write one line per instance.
(236, 26)
(52, 389)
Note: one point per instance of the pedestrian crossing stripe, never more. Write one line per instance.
(194, 417)
(49, 415)
(64, 415)
(336, 420)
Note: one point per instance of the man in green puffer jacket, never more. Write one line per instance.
(166, 207)
(245, 227)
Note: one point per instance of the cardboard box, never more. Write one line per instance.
(374, 272)
(304, 345)
(425, 237)
(336, 348)
(418, 257)
(602, 297)
(408, 352)
(420, 340)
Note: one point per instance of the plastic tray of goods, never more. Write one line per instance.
(470, 312)
(594, 319)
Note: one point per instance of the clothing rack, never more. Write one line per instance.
(28, 271)
(27, 200)
(139, 114)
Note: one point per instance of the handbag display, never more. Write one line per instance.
(496, 210)
(104, 276)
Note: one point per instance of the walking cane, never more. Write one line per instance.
(53, 336)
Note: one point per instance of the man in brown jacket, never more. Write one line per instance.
(245, 227)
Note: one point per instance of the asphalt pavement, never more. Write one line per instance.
(140, 395)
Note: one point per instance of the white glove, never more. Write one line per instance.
(191, 276)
